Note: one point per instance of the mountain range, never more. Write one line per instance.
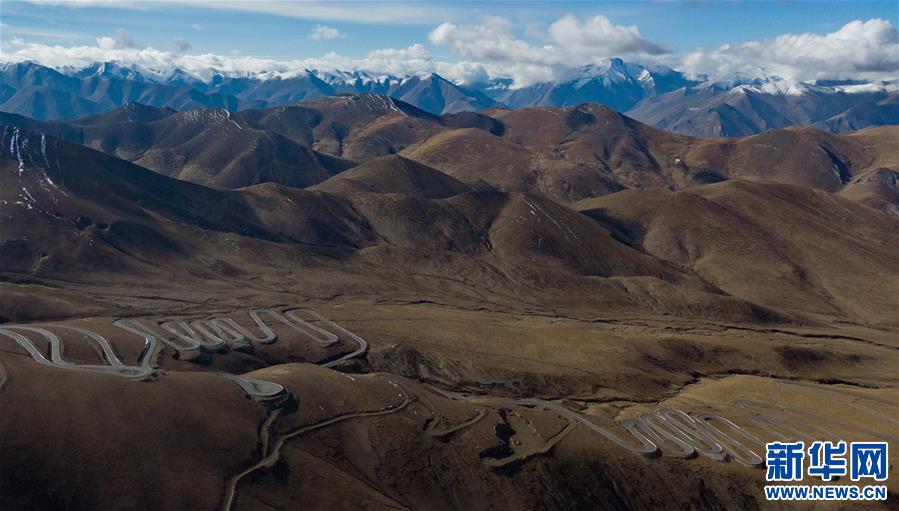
(568, 153)
(515, 288)
(543, 193)
(656, 95)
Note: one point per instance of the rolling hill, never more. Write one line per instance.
(523, 288)
(786, 247)
(569, 154)
(103, 214)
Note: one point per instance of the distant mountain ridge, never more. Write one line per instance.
(657, 95)
(749, 106)
(44, 93)
(566, 153)
(618, 85)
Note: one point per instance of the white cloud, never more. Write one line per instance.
(492, 40)
(463, 72)
(122, 49)
(416, 51)
(599, 36)
(374, 12)
(493, 49)
(353, 11)
(495, 44)
(197, 25)
(138, 5)
(322, 32)
(859, 49)
(43, 33)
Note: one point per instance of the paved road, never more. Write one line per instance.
(668, 431)
(674, 432)
(272, 452)
(189, 339)
(56, 359)
(362, 345)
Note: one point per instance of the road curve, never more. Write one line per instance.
(674, 432)
(189, 338)
(271, 456)
(362, 344)
(56, 359)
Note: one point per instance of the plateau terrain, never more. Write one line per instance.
(357, 303)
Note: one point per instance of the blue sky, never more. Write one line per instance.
(680, 25)
(285, 31)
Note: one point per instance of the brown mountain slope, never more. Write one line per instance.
(471, 154)
(880, 144)
(477, 156)
(70, 209)
(542, 234)
(368, 125)
(781, 246)
(876, 185)
(129, 112)
(212, 148)
(394, 174)
(95, 217)
(597, 138)
(568, 154)
(877, 188)
(640, 156)
(509, 339)
(510, 349)
(799, 156)
(587, 151)
(510, 240)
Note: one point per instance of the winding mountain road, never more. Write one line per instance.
(189, 339)
(272, 454)
(666, 431)
(674, 432)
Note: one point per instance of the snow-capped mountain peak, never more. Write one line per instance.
(655, 94)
